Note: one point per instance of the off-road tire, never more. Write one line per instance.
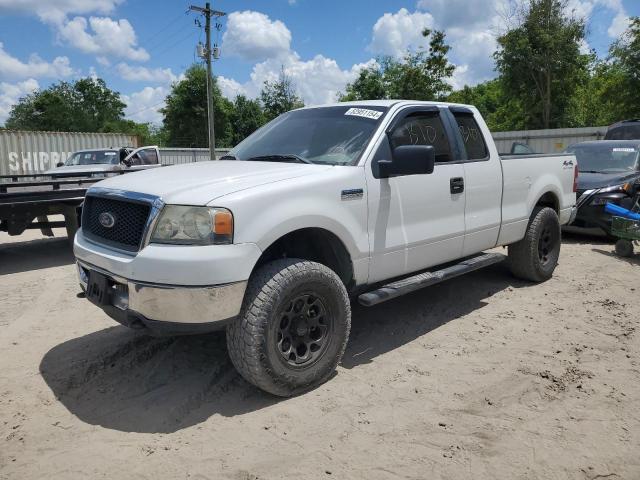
(526, 260)
(624, 248)
(252, 338)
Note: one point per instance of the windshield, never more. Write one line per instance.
(624, 132)
(605, 158)
(95, 157)
(326, 135)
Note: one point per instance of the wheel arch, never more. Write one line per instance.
(549, 199)
(316, 244)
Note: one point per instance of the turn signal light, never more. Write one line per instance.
(223, 223)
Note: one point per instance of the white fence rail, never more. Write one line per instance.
(547, 141)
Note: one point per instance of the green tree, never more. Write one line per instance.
(86, 105)
(422, 74)
(499, 111)
(185, 113)
(246, 117)
(368, 86)
(623, 75)
(540, 62)
(279, 96)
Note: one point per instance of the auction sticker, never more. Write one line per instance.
(364, 112)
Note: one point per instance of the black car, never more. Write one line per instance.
(607, 171)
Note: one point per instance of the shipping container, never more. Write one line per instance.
(23, 152)
(547, 141)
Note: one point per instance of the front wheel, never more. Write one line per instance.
(293, 327)
(535, 257)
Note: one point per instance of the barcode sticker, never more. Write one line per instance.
(364, 112)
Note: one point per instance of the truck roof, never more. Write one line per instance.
(110, 149)
(387, 103)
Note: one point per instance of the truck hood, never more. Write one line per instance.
(588, 181)
(75, 169)
(200, 183)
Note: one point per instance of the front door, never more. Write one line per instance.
(415, 221)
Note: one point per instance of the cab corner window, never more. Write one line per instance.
(423, 128)
(471, 136)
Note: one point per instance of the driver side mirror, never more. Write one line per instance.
(60, 164)
(409, 160)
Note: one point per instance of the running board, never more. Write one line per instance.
(411, 284)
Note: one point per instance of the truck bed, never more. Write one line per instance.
(521, 173)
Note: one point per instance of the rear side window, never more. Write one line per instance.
(423, 129)
(471, 136)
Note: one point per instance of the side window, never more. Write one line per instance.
(135, 160)
(471, 136)
(423, 129)
(149, 156)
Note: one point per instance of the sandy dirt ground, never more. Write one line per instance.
(483, 377)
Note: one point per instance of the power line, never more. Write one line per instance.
(176, 43)
(146, 108)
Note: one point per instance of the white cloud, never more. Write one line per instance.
(585, 8)
(102, 36)
(55, 11)
(618, 25)
(393, 33)
(13, 68)
(10, 93)
(317, 80)
(230, 88)
(254, 36)
(144, 74)
(143, 106)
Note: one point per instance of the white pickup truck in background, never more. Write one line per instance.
(107, 160)
(365, 199)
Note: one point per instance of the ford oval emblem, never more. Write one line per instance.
(106, 219)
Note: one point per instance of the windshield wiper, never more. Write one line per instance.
(589, 171)
(280, 158)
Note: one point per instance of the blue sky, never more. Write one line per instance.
(140, 46)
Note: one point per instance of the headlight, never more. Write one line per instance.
(185, 225)
(613, 188)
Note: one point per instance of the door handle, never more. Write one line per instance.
(456, 185)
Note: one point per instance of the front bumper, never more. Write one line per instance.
(165, 309)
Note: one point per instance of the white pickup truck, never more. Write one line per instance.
(365, 199)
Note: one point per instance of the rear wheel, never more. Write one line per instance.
(535, 257)
(293, 327)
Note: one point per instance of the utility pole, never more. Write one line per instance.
(207, 54)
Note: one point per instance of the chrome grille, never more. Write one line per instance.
(129, 225)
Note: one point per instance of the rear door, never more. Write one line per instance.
(483, 180)
(415, 221)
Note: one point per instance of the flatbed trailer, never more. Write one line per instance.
(26, 201)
